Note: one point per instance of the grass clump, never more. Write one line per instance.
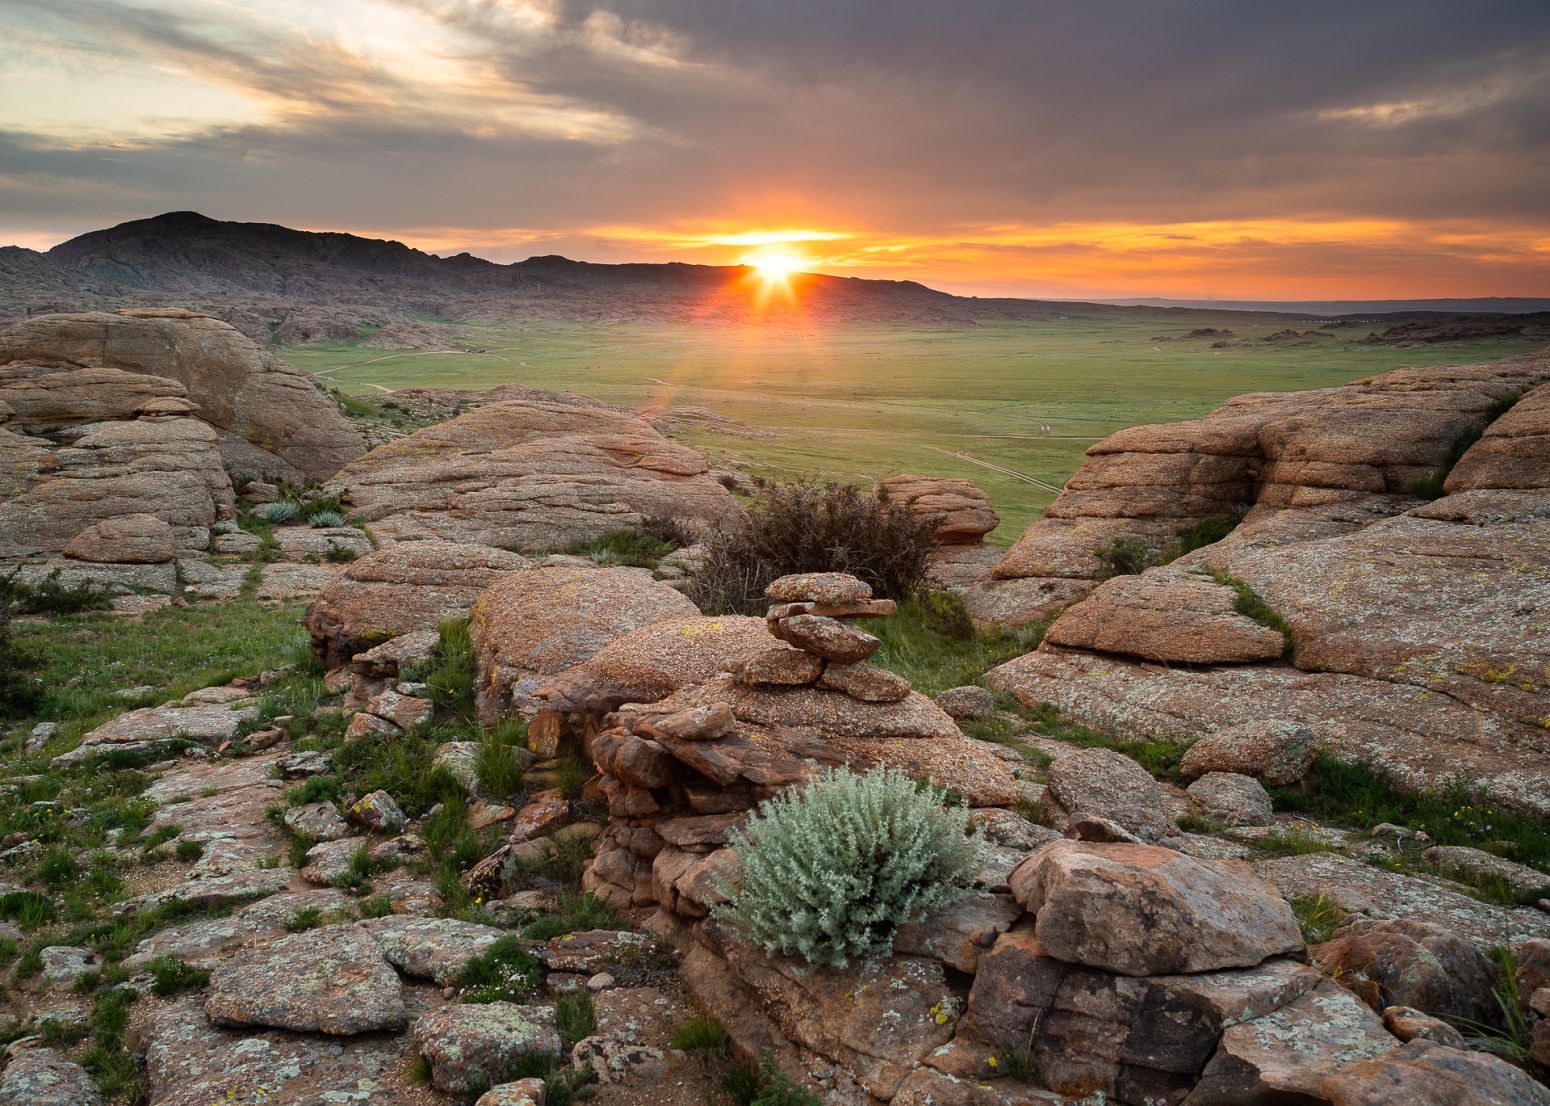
(1317, 916)
(1247, 602)
(172, 975)
(50, 596)
(499, 763)
(506, 972)
(1017, 1064)
(575, 1016)
(764, 1084)
(702, 1035)
(450, 674)
(1432, 487)
(931, 642)
(808, 526)
(1128, 556)
(575, 911)
(829, 872)
(632, 547)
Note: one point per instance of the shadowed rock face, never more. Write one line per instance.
(537, 472)
(273, 420)
(1420, 640)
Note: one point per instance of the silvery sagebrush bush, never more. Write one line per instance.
(827, 872)
(282, 510)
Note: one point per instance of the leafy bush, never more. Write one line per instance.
(812, 527)
(20, 687)
(764, 1084)
(632, 547)
(829, 871)
(1125, 557)
(172, 975)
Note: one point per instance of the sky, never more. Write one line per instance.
(1084, 148)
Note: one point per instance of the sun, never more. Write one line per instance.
(775, 266)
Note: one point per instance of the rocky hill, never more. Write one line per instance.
(262, 277)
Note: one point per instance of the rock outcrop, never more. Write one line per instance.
(537, 471)
(963, 517)
(1413, 629)
(272, 420)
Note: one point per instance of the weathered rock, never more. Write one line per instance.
(397, 656)
(125, 539)
(955, 764)
(469, 1047)
(63, 963)
(403, 588)
(1378, 893)
(962, 512)
(524, 1092)
(378, 813)
(404, 711)
(1165, 614)
(536, 470)
(297, 542)
(957, 935)
(1286, 1054)
(1110, 785)
(1279, 753)
(968, 703)
(319, 821)
(865, 682)
(1409, 1024)
(782, 666)
(209, 942)
(1519, 878)
(274, 419)
(818, 587)
(652, 662)
(1426, 1074)
(702, 723)
(1143, 910)
(826, 637)
(204, 723)
(1413, 963)
(42, 1077)
(535, 625)
(332, 980)
(1234, 799)
(430, 948)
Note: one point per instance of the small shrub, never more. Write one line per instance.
(189, 850)
(339, 554)
(279, 512)
(308, 917)
(1248, 603)
(1125, 557)
(701, 1034)
(378, 906)
(812, 527)
(1432, 486)
(828, 872)
(764, 1084)
(575, 1016)
(50, 596)
(575, 912)
(506, 972)
(326, 519)
(21, 689)
(945, 613)
(172, 975)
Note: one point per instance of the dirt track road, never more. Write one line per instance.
(965, 455)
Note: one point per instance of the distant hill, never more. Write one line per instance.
(1490, 305)
(294, 286)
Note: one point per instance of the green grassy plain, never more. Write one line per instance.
(868, 401)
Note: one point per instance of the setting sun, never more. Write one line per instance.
(775, 266)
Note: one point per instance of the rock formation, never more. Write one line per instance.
(273, 422)
(535, 471)
(1413, 628)
(680, 773)
(963, 515)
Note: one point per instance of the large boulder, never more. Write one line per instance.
(1110, 785)
(536, 471)
(169, 468)
(1272, 751)
(1408, 617)
(1143, 910)
(273, 420)
(1410, 962)
(401, 589)
(125, 539)
(531, 626)
(1426, 1074)
(962, 512)
(1167, 615)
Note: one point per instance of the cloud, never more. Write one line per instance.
(641, 127)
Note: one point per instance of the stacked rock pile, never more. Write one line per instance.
(680, 775)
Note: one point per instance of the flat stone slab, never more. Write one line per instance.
(189, 1062)
(480, 1045)
(1383, 894)
(208, 943)
(42, 1077)
(430, 948)
(240, 886)
(332, 980)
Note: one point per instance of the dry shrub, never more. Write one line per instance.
(808, 526)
